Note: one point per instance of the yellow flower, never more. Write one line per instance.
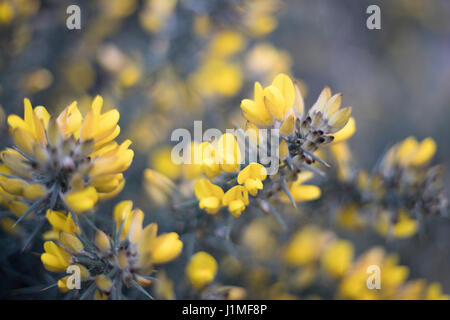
(403, 228)
(60, 222)
(255, 110)
(305, 246)
(98, 295)
(81, 200)
(7, 225)
(75, 160)
(103, 283)
(279, 96)
(434, 292)
(252, 177)
(153, 249)
(162, 162)
(123, 214)
(271, 103)
(301, 192)
(201, 270)
(348, 217)
(226, 43)
(164, 286)
(209, 194)
(158, 186)
(236, 199)
(55, 258)
(62, 283)
(412, 153)
(337, 258)
(228, 153)
(209, 159)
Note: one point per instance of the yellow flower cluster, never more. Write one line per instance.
(69, 161)
(319, 253)
(133, 253)
(212, 197)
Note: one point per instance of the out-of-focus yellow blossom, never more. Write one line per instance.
(129, 75)
(117, 9)
(6, 13)
(354, 283)
(348, 217)
(201, 270)
(410, 152)
(7, 225)
(265, 59)
(73, 156)
(161, 161)
(201, 160)
(232, 292)
(434, 292)
(252, 176)
(217, 77)
(343, 156)
(259, 17)
(259, 238)
(306, 246)
(103, 283)
(301, 192)
(226, 43)
(236, 199)
(337, 258)
(202, 25)
(98, 295)
(305, 276)
(80, 74)
(404, 227)
(159, 187)
(156, 13)
(164, 286)
(37, 80)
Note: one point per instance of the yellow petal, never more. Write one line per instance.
(202, 269)
(102, 241)
(166, 248)
(274, 102)
(302, 193)
(288, 126)
(339, 119)
(286, 87)
(425, 152)
(103, 283)
(70, 242)
(82, 200)
(34, 191)
(346, 132)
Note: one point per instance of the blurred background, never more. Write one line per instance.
(166, 63)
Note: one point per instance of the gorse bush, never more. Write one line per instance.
(273, 207)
